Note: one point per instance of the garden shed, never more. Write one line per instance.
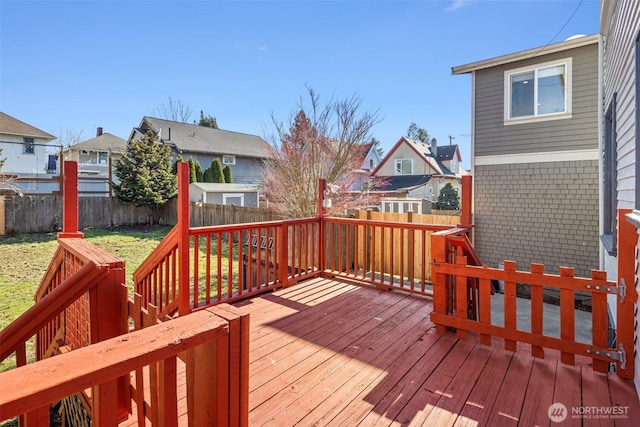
(224, 194)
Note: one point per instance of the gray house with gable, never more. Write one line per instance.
(534, 155)
(244, 153)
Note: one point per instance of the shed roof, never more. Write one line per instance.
(210, 187)
(12, 126)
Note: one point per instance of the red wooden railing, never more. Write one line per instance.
(389, 255)
(462, 300)
(79, 302)
(218, 380)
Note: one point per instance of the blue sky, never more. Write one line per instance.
(76, 65)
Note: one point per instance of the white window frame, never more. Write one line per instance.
(29, 146)
(106, 160)
(566, 114)
(400, 161)
(228, 160)
(226, 196)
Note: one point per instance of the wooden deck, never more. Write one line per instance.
(330, 353)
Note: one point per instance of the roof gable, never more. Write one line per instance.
(421, 150)
(104, 142)
(190, 138)
(12, 126)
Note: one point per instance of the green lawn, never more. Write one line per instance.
(25, 259)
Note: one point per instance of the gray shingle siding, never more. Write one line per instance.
(579, 132)
(538, 212)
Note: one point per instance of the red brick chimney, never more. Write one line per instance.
(98, 132)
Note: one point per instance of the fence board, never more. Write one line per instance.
(43, 214)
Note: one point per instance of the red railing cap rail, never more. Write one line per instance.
(89, 252)
(33, 386)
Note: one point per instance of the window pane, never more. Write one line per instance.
(551, 83)
(522, 90)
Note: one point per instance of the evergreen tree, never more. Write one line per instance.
(448, 198)
(226, 171)
(174, 168)
(145, 174)
(198, 171)
(207, 121)
(216, 171)
(192, 171)
(207, 176)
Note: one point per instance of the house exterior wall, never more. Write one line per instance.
(20, 163)
(420, 167)
(620, 28)
(538, 212)
(493, 137)
(247, 170)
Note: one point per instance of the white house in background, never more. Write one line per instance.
(94, 155)
(224, 194)
(24, 147)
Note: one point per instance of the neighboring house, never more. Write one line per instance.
(534, 155)
(224, 194)
(417, 170)
(24, 146)
(620, 30)
(359, 179)
(242, 152)
(95, 155)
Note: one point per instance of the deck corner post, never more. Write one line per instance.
(439, 255)
(627, 242)
(466, 217)
(322, 212)
(184, 306)
(70, 221)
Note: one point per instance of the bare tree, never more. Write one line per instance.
(69, 138)
(319, 141)
(173, 109)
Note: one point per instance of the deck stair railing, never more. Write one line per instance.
(463, 295)
(79, 302)
(206, 340)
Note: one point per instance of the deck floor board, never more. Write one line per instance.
(331, 353)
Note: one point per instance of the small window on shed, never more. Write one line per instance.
(228, 160)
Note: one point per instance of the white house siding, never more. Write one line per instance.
(620, 28)
(20, 163)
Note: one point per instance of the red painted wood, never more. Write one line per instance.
(183, 239)
(567, 316)
(627, 258)
(70, 223)
(510, 308)
(466, 217)
(537, 309)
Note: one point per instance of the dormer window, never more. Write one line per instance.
(538, 93)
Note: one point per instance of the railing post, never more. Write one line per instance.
(627, 240)
(322, 212)
(466, 217)
(108, 308)
(70, 223)
(283, 253)
(440, 292)
(184, 306)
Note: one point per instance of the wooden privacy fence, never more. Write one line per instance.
(43, 214)
(463, 296)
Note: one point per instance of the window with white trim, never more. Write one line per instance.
(228, 160)
(29, 146)
(404, 166)
(103, 157)
(538, 93)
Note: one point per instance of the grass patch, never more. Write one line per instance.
(25, 259)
